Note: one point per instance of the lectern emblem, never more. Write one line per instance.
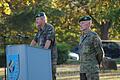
(13, 68)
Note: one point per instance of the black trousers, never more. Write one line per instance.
(89, 76)
(83, 76)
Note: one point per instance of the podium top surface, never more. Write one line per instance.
(25, 45)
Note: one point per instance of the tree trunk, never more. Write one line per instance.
(104, 30)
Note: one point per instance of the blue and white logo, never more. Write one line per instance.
(13, 66)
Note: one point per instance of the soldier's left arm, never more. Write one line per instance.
(98, 48)
(49, 37)
(47, 44)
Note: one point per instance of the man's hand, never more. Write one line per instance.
(47, 44)
(33, 43)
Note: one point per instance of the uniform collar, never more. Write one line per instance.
(42, 29)
(86, 32)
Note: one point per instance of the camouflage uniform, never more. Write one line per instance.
(90, 46)
(48, 33)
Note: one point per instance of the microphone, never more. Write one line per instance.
(23, 36)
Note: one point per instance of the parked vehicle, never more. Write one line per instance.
(111, 48)
(73, 56)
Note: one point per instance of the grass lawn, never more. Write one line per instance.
(72, 73)
(1, 73)
(104, 75)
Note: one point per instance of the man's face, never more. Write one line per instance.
(84, 25)
(38, 22)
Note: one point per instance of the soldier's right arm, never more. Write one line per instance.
(34, 41)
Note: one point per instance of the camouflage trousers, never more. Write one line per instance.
(89, 76)
(54, 63)
(54, 72)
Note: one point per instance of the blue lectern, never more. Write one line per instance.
(28, 63)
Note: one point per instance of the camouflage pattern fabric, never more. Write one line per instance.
(90, 45)
(48, 33)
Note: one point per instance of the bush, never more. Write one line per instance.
(117, 60)
(63, 51)
(2, 61)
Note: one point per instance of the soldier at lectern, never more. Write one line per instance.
(45, 38)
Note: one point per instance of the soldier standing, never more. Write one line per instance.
(90, 49)
(45, 38)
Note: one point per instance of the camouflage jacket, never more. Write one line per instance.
(47, 33)
(90, 46)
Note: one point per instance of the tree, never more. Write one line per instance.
(17, 17)
(13, 21)
(104, 13)
(18, 21)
